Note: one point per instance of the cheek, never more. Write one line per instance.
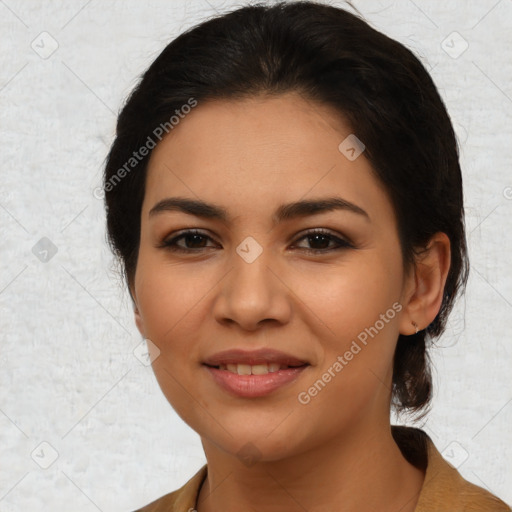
(169, 297)
(355, 370)
(360, 307)
(347, 299)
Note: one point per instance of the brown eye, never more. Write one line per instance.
(320, 241)
(192, 241)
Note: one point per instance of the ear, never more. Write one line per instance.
(424, 288)
(138, 317)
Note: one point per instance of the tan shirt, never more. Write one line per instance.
(444, 489)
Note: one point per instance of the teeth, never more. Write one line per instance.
(255, 369)
(243, 369)
(259, 369)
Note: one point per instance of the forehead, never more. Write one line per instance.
(278, 122)
(257, 152)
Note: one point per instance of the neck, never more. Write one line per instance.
(361, 471)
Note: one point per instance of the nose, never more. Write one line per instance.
(252, 293)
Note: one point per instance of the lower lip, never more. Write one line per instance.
(250, 386)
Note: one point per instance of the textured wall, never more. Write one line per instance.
(83, 424)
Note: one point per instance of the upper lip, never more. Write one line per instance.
(253, 357)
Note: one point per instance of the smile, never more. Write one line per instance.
(256, 369)
(252, 381)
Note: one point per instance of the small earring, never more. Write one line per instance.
(415, 325)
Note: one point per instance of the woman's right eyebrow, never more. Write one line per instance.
(303, 208)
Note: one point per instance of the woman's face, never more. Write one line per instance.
(260, 279)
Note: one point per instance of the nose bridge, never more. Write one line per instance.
(251, 291)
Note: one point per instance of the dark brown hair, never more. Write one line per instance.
(333, 57)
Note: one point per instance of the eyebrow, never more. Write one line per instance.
(284, 212)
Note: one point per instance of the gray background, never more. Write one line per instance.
(70, 376)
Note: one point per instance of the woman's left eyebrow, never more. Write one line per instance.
(305, 208)
(284, 212)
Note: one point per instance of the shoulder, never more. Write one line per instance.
(181, 500)
(447, 491)
(444, 489)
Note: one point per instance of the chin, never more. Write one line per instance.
(253, 442)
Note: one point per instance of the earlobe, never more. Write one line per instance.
(426, 285)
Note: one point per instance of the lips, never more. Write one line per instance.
(251, 374)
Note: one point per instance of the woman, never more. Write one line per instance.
(285, 196)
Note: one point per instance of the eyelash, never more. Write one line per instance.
(170, 244)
